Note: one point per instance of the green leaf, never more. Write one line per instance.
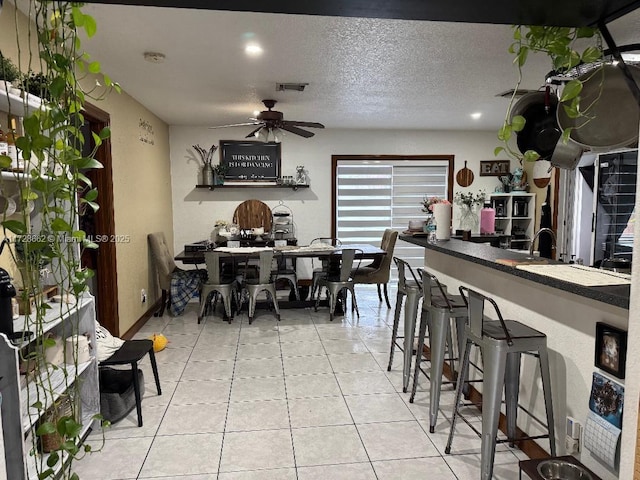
(48, 343)
(87, 448)
(78, 16)
(585, 32)
(93, 205)
(97, 140)
(105, 133)
(572, 110)
(91, 195)
(87, 162)
(591, 54)
(89, 244)
(46, 428)
(571, 90)
(522, 56)
(79, 234)
(5, 161)
(47, 473)
(94, 67)
(517, 123)
(566, 134)
(15, 226)
(504, 133)
(37, 405)
(531, 156)
(57, 87)
(53, 459)
(60, 225)
(74, 475)
(90, 26)
(497, 150)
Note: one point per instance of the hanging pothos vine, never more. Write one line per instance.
(567, 48)
(55, 179)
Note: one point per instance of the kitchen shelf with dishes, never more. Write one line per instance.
(515, 216)
(252, 185)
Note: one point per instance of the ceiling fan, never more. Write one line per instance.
(271, 123)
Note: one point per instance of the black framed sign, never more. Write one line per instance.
(250, 161)
(611, 349)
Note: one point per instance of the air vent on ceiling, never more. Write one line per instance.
(519, 93)
(296, 87)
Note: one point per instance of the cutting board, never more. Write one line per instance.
(464, 177)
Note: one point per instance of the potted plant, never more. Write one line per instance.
(9, 73)
(567, 48)
(36, 84)
(51, 135)
(220, 171)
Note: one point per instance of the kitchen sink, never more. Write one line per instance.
(556, 469)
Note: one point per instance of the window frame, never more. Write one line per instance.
(383, 158)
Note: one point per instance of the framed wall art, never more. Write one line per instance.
(611, 349)
(250, 161)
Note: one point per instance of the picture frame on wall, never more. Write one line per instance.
(611, 349)
(250, 161)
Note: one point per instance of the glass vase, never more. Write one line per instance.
(468, 219)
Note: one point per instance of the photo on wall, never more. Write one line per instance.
(611, 349)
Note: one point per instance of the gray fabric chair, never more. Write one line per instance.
(217, 284)
(340, 283)
(164, 266)
(379, 270)
(263, 283)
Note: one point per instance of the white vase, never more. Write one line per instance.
(442, 216)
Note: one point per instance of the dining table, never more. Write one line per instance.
(332, 254)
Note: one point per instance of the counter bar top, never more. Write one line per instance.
(483, 254)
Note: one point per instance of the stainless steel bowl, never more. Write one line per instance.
(562, 470)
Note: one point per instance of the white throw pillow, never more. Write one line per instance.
(107, 344)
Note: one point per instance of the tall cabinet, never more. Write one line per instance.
(515, 216)
(21, 394)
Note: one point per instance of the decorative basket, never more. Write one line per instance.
(62, 407)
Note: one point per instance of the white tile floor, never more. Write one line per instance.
(302, 399)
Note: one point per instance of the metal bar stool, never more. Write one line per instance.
(411, 288)
(438, 308)
(501, 344)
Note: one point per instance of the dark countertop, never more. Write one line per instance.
(483, 254)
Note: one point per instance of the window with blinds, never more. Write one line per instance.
(372, 195)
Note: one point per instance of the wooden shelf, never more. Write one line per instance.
(19, 106)
(256, 185)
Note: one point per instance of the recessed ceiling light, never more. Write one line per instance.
(253, 49)
(476, 115)
(154, 57)
(256, 113)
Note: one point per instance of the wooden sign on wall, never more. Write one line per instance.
(494, 168)
(250, 160)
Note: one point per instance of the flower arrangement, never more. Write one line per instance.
(429, 202)
(469, 199)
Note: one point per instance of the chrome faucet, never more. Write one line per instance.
(538, 233)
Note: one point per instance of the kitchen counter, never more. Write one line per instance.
(483, 254)
(566, 312)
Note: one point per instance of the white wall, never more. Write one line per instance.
(195, 211)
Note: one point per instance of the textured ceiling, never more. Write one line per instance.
(362, 73)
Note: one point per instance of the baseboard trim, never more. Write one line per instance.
(142, 320)
(529, 447)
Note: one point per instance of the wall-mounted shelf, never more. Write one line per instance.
(257, 185)
(19, 107)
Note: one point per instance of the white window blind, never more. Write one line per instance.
(373, 195)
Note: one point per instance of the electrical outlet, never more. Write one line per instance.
(143, 296)
(572, 445)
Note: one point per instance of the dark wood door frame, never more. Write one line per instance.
(107, 285)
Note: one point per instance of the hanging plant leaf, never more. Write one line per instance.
(571, 90)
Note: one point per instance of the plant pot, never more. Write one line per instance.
(207, 175)
(219, 179)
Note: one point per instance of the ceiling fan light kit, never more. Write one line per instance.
(272, 123)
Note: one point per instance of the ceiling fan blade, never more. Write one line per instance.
(253, 133)
(298, 131)
(235, 125)
(303, 124)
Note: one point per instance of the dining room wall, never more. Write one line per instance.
(196, 210)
